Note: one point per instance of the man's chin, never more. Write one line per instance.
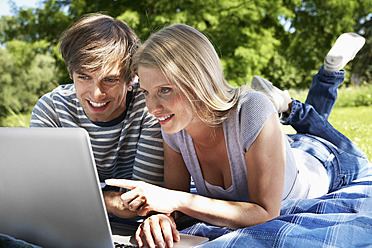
(97, 118)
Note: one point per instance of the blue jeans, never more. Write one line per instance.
(342, 159)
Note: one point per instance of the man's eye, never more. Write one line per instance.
(111, 80)
(83, 77)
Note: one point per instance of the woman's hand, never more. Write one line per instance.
(144, 197)
(157, 231)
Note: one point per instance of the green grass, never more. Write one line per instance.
(356, 124)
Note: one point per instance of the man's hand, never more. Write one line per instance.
(114, 205)
(157, 231)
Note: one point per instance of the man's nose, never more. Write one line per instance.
(98, 91)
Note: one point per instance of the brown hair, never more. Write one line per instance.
(98, 42)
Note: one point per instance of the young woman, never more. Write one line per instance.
(230, 141)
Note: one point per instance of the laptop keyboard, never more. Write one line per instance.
(117, 245)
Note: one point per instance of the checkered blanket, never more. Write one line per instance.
(342, 218)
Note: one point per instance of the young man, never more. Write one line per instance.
(104, 100)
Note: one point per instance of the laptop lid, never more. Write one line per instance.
(49, 188)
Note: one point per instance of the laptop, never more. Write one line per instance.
(50, 192)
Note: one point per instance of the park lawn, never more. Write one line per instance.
(356, 124)
(353, 122)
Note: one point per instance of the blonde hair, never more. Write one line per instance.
(99, 42)
(189, 61)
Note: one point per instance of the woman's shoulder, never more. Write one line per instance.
(253, 97)
(252, 111)
(254, 103)
(177, 140)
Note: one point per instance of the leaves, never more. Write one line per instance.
(25, 75)
(248, 35)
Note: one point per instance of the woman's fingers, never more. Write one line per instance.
(130, 196)
(136, 204)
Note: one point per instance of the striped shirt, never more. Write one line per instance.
(128, 147)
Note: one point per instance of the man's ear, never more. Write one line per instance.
(70, 73)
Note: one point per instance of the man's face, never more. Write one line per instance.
(102, 96)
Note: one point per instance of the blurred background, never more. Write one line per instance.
(284, 41)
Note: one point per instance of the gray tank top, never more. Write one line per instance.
(241, 129)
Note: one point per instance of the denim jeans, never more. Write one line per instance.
(342, 159)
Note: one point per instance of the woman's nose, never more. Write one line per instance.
(154, 105)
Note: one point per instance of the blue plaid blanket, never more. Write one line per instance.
(342, 218)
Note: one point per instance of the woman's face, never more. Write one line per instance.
(165, 101)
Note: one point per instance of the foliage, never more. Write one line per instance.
(25, 74)
(31, 25)
(362, 65)
(282, 40)
(242, 31)
(348, 96)
(317, 24)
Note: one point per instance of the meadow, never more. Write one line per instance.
(352, 115)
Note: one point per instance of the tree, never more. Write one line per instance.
(362, 66)
(25, 75)
(241, 30)
(249, 36)
(316, 26)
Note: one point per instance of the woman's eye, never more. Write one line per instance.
(165, 90)
(145, 92)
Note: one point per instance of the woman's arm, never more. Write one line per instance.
(176, 175)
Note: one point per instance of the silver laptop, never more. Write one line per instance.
(50, 194)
